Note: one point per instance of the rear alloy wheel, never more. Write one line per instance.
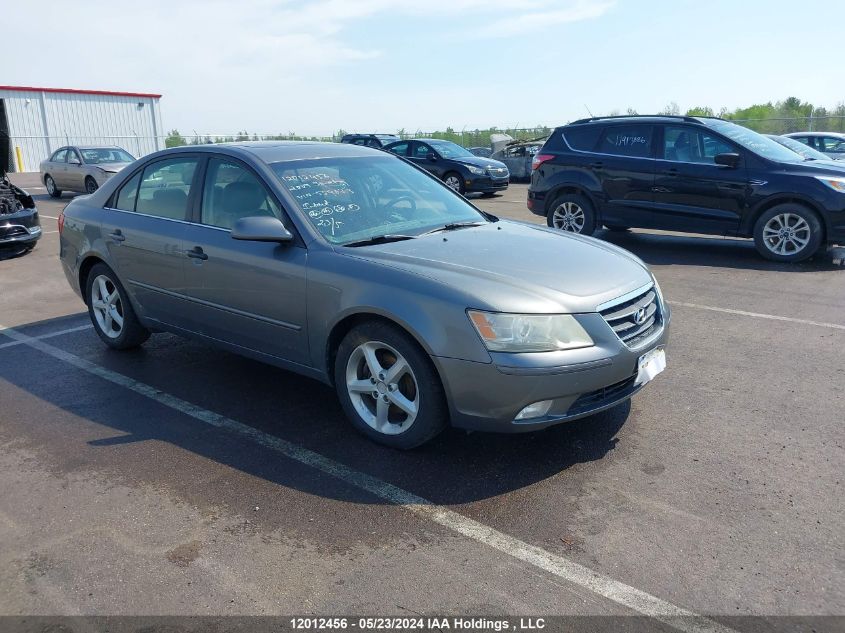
(454, 182)
(110, 311)
(388, 386)
(788, 232)
(572, 213)
(54, 191)
(90, 185)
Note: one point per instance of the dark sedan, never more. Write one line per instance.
(457, 167)
(20, 227)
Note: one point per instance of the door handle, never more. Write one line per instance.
(196, 253)
(117, 235)
(596, 165)
(671, 172)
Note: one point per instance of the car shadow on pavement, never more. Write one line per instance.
(665, 249)
(455, 468)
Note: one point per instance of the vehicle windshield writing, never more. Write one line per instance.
(450, 150)
(355, 199)
(106, 155)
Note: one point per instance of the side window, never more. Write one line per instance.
(627, 140)
(128, 194)
(690, 145)
(60, 156)
(583, 137)
(164, 188)
(832, 144)
(73, 156)
(359, 141)
(421, 150)
(233, 192)
(400, 148)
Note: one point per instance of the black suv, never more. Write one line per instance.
(369, 140)
(691, 174)
(456, 166)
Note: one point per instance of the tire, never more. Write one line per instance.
(617, 229)
(362, 368)
(788, 232)
(572, 213)
(488, 194)
(90, 185)
(456, 180)
(127, 335)
(54, 191)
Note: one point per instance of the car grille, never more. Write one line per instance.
(13, 231)
(635, 320)
(601, 397)
(497, 172)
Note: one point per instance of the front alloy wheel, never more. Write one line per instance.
(382, 388)
(454, 182)
(569, 216)
(786, 234)
(90, 185)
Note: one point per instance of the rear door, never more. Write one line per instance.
(250, 294)
(691, 192)
(624, 165)
(144, 229)
(57, 167)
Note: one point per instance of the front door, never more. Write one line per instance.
(144, 231)
(624, 165)
(693, 193)
(424, 156)
(250, 294)
(75, 177)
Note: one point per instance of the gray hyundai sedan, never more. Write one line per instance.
(356, 268)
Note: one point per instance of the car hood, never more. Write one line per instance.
(479, 161)
(513, 267)
(111, 167)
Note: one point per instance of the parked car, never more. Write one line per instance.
(518, 156)
(831, 144)
(457, 167)
(693, 174)
(483, 152)
(20, 227)
(82, 169)
(805, 151)
(369, 140)
(291, 254)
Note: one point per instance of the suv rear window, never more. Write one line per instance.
(627, 140)
(582, 137)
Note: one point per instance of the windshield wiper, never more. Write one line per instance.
(452, 226)
(381, 239)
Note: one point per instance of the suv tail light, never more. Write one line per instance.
(61, 221)
(539, 159)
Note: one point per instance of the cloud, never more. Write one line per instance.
(532, 22)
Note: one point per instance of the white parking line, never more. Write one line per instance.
(563, 568)
(50, 335)
(47, 216)
(757, 315)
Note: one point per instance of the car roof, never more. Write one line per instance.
(836, 134)
(96, 147)
(642, 118)
(279, 151)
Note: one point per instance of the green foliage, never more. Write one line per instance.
(174, 139)
(781, 117)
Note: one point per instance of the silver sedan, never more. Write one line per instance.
(82, 169)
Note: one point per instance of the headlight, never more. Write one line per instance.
(658, 291)
(478, 171)
(837, 184)
(529, 332)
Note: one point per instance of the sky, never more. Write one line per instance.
(314, 67)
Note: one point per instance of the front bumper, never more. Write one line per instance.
(485, 184)
(21, 228)
(488, 396)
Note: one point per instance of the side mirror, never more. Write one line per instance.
(727, 160)
(73, 161)
(432, 157)
(261, 228)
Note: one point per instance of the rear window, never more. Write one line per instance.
(627, 140)
(583, 137)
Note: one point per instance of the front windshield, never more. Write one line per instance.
(751, 140)
(359, 198)
(98, 155)
(447, 149)
(799, 148)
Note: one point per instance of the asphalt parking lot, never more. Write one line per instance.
(178, 479)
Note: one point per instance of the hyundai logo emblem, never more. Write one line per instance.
(640, 316)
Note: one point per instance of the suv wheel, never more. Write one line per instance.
(788, 232)
(573, 213)
(388, 386)
(110, 310)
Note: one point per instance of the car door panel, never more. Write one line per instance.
(75, 175)
(692, 192)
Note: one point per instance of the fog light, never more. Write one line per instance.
(536, 410)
